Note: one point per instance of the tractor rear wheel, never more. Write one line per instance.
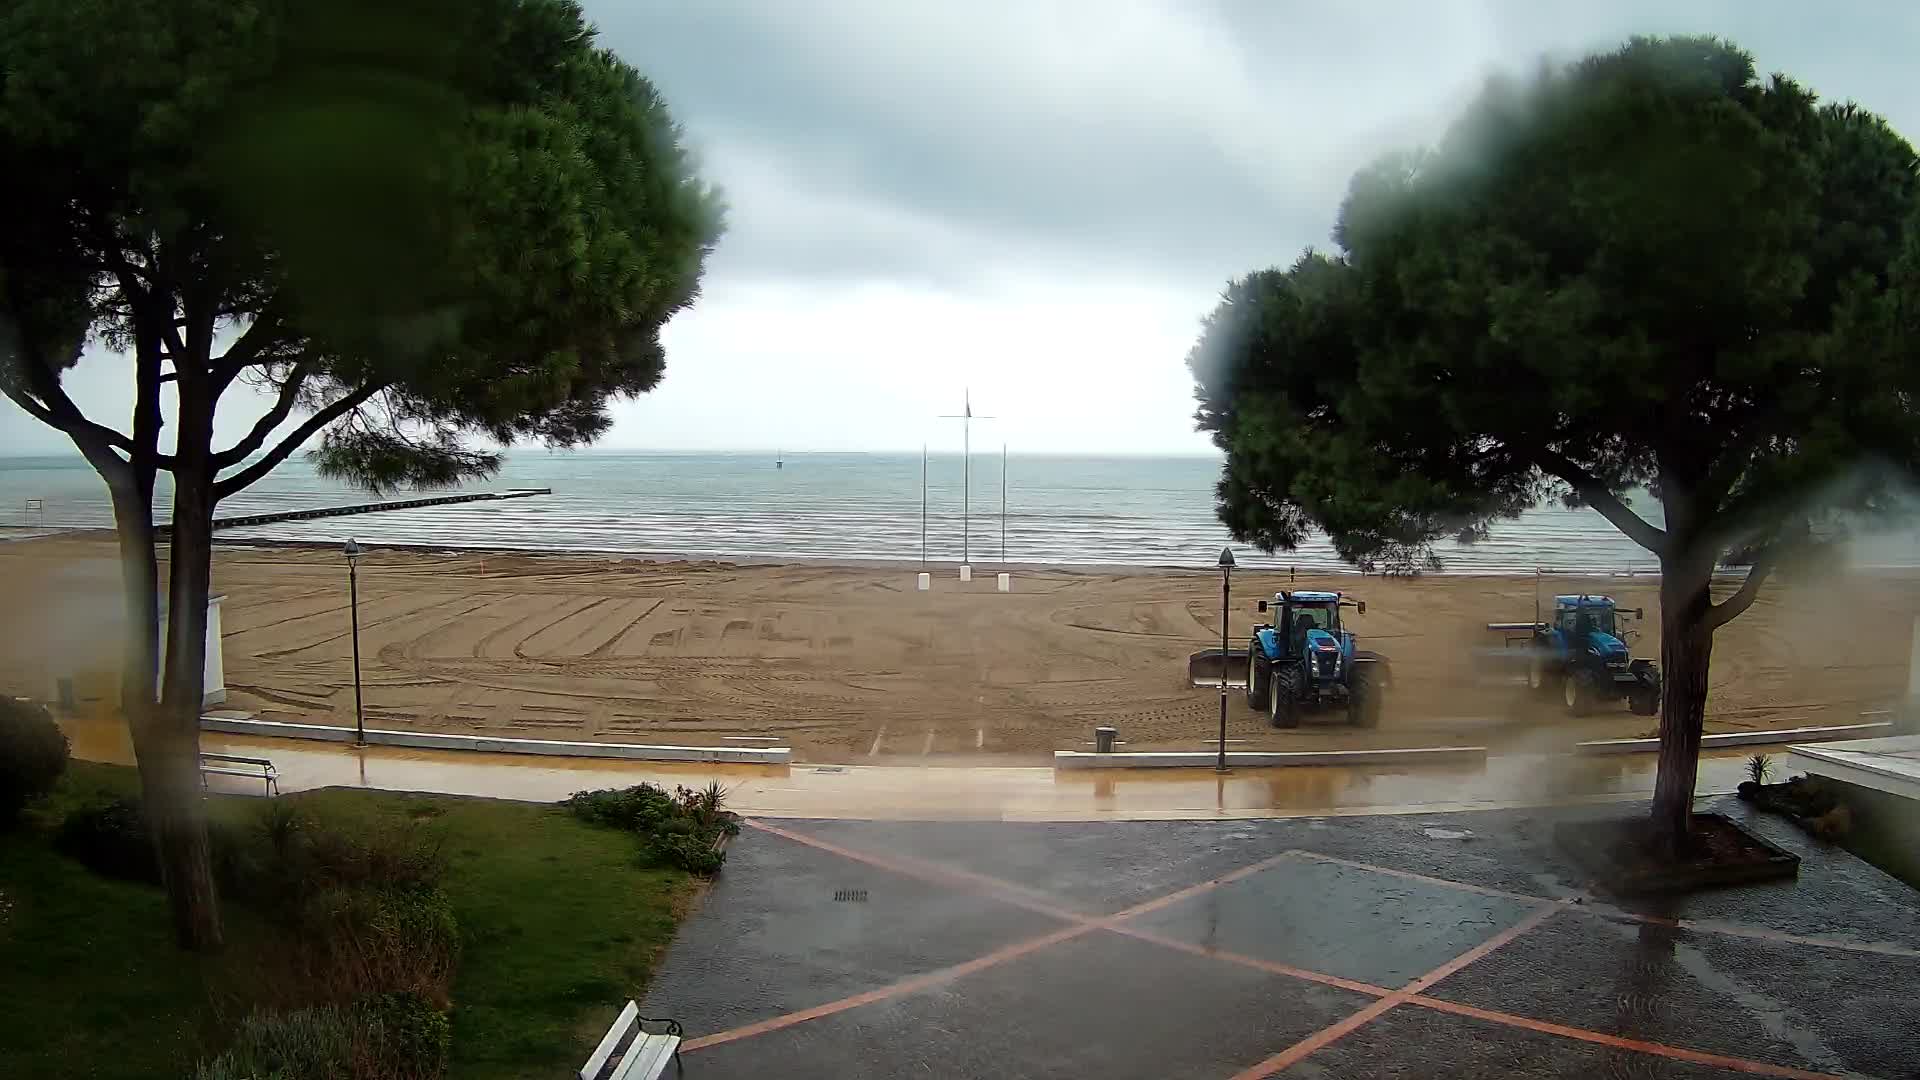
(1363, 698)
(1283, 696)
(1259, 676)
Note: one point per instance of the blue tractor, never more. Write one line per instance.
(1305, 660)
(1580, 654)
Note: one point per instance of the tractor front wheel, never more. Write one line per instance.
(1363, 699)
(1283, 696)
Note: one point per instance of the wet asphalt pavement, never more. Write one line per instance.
(1296, 948)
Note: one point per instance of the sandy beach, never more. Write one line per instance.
(851, 664)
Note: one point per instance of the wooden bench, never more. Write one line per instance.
(254, 768)
(629, 1051)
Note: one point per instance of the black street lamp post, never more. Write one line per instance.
(353, 552)
(1226, 591)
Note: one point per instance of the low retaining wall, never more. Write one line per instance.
(1741, 738)
(1261, 759)
(427, 740)
(1890, 765)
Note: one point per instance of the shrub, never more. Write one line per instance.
(361, 906)
(641, 808)
(397, 1036)
(110, 839)
(410, 1037)
(306, 1044)
(33, 754)
(675, 830)
(288, 855)
(687, 851)
(355, 942)
(706, 806)
(1758, 767)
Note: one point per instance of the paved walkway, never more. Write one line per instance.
(1407, 946)
(919, 793)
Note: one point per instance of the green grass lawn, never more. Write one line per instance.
(559, 928)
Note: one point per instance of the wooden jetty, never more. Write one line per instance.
(368, 508)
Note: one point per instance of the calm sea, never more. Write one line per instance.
(1132, 511)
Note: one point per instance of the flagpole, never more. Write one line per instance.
(1003, 504)
(966, 480)
(923, 504)
(966, 475)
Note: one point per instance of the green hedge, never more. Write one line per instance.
(33, 754)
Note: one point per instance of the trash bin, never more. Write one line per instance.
(1103, 739)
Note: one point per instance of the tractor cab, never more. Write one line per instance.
(1589, 625)
(1306, 626)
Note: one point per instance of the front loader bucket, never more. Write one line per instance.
(1206, 667)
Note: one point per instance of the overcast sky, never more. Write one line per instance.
(1039, 200)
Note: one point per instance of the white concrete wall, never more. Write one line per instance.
(433, 740)
(214, 690)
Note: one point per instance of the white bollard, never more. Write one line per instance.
(924, 582)
(966, 572)
(1006, 582)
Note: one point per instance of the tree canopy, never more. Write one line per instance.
(413, 222)
(416, 224)
(1647, 268)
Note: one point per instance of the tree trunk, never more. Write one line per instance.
(169, 764)
(1686, 649)
(140, 581)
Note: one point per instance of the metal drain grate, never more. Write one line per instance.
(850, 896)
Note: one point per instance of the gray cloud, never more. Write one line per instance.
(1171, 139)
(1042, 197)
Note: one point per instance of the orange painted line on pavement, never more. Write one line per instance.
(1254, 962)
(1757, 1068)
(1194, 890)
(1031, 899)
(1705, 926)
(1020, 895)
(904, 986)
(1319, 1040)
(1420, 984)
(1411, 994)
(1427, 878)
(1338, 1030)
(1081, 925)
